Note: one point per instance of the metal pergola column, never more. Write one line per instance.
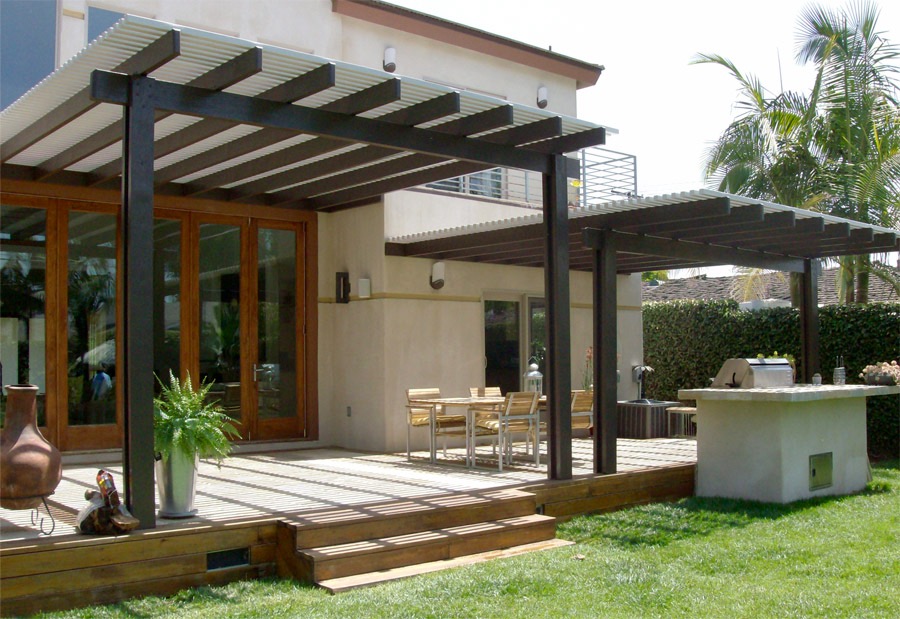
(606, 426)
(137, 233)
(810, 363)
(559, 345)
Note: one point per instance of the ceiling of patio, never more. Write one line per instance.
(676, 231)
(374, 132)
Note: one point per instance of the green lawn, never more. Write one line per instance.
(697, 558)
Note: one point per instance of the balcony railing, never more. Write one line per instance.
(605, 175)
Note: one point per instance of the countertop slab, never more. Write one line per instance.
(796, 393)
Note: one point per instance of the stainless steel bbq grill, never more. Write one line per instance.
(759, 373)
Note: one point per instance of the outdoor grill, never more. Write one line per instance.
(759, 373)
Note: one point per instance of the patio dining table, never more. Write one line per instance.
(470, 404)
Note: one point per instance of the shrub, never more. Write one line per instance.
(686, 342)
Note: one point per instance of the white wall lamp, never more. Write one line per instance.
(390, 59)
(437, 275)
(364, 288)
(542, 97)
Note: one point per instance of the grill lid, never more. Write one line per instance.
(749, 373)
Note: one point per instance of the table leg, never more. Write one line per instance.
(432, 447)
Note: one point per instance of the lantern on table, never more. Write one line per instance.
(534, 380)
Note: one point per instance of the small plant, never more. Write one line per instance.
(884, 372)
(587, 377)
(185, 420)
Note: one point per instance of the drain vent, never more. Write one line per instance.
(223, 559)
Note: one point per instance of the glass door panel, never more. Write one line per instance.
(275, 370)
(91, 322)
(166, 299)
(501, 345)
(537, 333)
(220, 316)
(23, 275)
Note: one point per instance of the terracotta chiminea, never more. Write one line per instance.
(30, 467)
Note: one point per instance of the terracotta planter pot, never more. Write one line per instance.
(30, 467)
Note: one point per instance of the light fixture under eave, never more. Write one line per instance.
(437, 276)
(390, 59)
(542, 97)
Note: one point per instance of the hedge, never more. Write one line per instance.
(686, 342)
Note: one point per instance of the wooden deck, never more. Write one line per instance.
(242, 504)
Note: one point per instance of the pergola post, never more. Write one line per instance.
(809, 321)
(136, 377)
(606, 426)
(559, 345)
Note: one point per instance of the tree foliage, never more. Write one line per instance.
(834, 149)
(686, 342)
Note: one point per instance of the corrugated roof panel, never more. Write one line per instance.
(630, 204)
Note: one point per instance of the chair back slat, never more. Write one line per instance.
(520, 403)
(428, 393)
(485, 392)
(582, 401)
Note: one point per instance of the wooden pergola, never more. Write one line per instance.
(160, 110)
(679, 231)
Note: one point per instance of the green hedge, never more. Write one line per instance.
(686, 343)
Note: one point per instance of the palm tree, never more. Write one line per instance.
(860, 128)
(836, 149)
(767, 152)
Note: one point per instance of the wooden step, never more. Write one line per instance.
(368, 579)
(331, 527)
(328, 562)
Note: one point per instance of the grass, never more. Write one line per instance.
(837, 557)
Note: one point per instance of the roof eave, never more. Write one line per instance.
(399, 18)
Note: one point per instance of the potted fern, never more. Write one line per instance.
(187, 426)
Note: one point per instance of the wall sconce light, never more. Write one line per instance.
(390, 59)
(437, 275)
(364, 288)
(342, 287)
(542, 97)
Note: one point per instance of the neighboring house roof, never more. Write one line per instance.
(400, 18)
(773, 286)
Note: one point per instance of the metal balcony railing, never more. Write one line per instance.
(605, 175)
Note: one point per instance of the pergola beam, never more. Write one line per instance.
(426, 111)
(109, 87)
(656, 246)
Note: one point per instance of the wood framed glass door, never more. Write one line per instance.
(249, 296)
(90, 327)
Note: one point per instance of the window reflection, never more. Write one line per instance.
(166, 299)
(220, 317)
(23, 268)
(92, 318)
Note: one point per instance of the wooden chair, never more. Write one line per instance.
(582, 409)
(418, 416)
(517, 414)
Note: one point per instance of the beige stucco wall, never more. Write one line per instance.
(409, 335)
(423, 58)
(307, 25)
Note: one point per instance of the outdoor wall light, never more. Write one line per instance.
(364, 288)
(542, 97)
(342, 287)
(390, 59)
(437, 276)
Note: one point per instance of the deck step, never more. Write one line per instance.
(375, 554)
(346, 525)
(368, 579)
